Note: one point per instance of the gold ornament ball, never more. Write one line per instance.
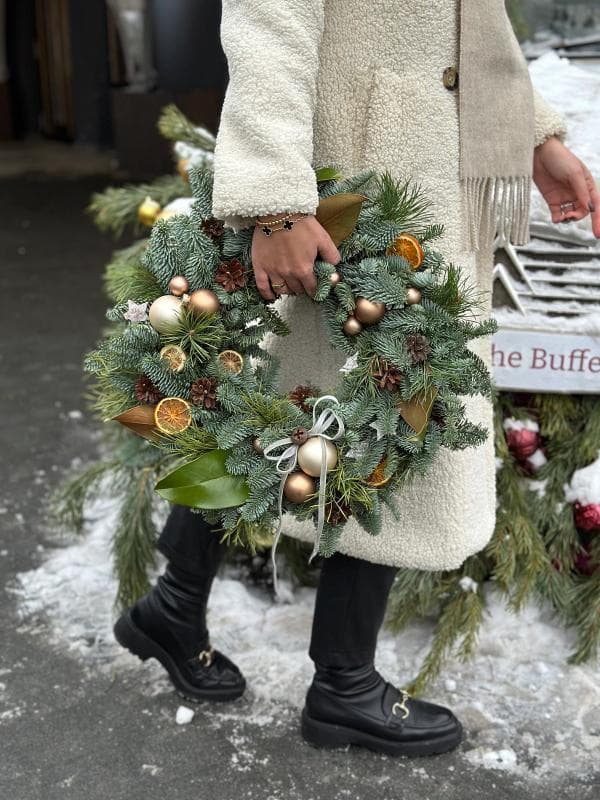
(203, 301)
(298, 487)
(164, 313)
(309, 456)
(178, 285)
(352, 326)
(413, 296)
(257, 446)
(368, 311)
(335, 278)
(148, 212)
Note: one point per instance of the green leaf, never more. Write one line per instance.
(204, 483)
(328, 174)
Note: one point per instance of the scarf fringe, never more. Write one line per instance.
(497, 207)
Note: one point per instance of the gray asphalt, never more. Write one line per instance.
(65, 730)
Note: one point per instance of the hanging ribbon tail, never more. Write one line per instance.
(321, 507)
(276, 538)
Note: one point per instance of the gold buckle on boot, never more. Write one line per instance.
(206, 656)
(400, 705)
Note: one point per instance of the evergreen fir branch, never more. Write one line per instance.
(116, 208)
(198, 334)
(126, 278)
(133, 545)
(175, 126)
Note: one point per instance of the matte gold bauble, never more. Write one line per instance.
(352, 326)
(203, 301)
(335, 278)
(178, 285)
(368, 311)
(413, 296)
(309, 456)
(298, 487)
(164, 313)
(148, 211)
(257, 446)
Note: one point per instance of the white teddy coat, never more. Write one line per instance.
(317, 82)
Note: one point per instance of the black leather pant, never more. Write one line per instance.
(351, 596)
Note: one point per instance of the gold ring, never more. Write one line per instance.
(277, 285)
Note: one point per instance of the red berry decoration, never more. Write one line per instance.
(522, 442)
(587, 517)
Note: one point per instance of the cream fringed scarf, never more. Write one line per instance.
(496, 125)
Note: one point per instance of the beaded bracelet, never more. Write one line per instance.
(284, 223)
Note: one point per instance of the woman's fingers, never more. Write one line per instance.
(327, 249)
(263, 284)
(581, 189)
(594, 205)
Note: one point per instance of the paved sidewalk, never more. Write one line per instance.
(67, 732)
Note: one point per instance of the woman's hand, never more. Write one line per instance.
(284, 261)
(566, 184)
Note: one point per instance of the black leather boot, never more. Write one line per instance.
(349, 702)
(169, 622)
(355, 705)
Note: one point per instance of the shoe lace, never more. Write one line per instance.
(206, 656)
(400, 705)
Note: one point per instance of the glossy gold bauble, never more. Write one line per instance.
(164, 313)
(148, 211)
(298, 487)
(368, 311)
(178, 285)
(335, 278)
(257, 446)
(413, 296)
(203, 301)
(309, 456)
(352, 326)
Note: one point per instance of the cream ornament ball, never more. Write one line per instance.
(164, 313)
(309, 456)
(413, 296)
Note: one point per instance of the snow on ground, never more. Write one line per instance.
(525, 710)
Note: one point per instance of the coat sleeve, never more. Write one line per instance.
(548, 122)
(264, 146)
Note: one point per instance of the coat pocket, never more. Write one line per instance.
(411, 126)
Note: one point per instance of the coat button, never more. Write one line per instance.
(450, 78)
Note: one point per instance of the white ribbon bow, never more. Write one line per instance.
(285, 464)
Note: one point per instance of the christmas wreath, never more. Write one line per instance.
(184, 366)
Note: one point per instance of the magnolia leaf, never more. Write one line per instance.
(328, 174)
(417, 411)
(338, 214)
(204, 483)
(140, 420)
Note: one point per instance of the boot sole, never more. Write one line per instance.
(132, 638)
(328, 735)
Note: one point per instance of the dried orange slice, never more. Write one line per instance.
(174, 356)
(408, 247)
(231, 360)
(172, 415)
(377, 477)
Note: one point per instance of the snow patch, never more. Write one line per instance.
(514, 698)
(584, 487)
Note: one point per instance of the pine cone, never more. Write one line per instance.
(146, 391)
(203, 392)
(213, 228)
(299, 395)
(386, 375)
(231, 275)
(418, 347)
(337, 513)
